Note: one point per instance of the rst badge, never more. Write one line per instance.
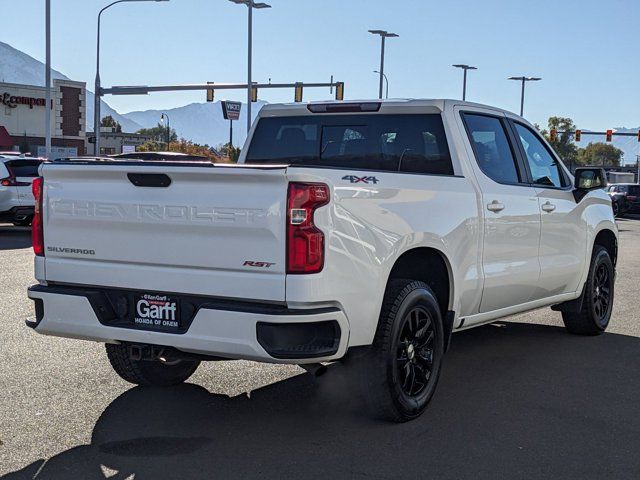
(356, 179)
(250, 263)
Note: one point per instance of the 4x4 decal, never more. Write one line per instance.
(355, 179)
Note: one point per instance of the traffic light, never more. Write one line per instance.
(340, 91)
(254, 94)
(609, 135)
(210, 94)
(297, 97)
(578, 135)
(553, 134)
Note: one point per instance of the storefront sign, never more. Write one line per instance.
(231, 110)
(13, 101)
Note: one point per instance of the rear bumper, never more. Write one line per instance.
(221, 329)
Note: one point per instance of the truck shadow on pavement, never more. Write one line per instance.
(515, 401)
(14, 238)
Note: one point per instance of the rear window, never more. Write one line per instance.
(24, 168)
(400, 143)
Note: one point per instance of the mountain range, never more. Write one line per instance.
(200, 122)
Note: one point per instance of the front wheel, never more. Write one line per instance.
(597, 297)
(148, 372)
(401, 371)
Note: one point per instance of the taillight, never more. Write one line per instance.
(8, 182)
(37, 237)
(305, 242)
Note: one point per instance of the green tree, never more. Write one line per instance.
(563, 143)
(229, 151)
(600, 154)
(109, 121)
(159, 133)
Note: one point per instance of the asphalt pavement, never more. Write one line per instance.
(517, 399)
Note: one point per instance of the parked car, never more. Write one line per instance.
(631, 194)
(619, 202)
(365, 232)
(16, 196)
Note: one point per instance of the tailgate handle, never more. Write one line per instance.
(149, 179)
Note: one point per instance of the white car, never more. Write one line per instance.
(16, 196)
(366, 231)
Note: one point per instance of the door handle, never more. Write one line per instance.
(548, 207)
(495, 206)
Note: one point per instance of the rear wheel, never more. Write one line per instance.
(597, 300)
(401, 371)
(148, 372)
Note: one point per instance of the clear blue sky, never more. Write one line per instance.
(585, 50)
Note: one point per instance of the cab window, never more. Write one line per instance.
(491, 146)
(545, 168)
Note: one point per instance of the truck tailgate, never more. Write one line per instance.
(216, 231)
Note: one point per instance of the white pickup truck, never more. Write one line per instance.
(349, 230)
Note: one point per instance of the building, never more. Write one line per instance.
(23, 118)
(112, 142)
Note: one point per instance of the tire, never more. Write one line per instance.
(401, 370)
(148, 372)
(597, 297)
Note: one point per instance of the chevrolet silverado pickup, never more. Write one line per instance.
(349, 230)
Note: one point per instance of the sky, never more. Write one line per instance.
(586, 51)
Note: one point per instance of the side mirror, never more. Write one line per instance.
(587, 179)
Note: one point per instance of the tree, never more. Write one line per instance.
(563, 143)
(600, 154)
(109, 121)
(229, 152)
(159, 133)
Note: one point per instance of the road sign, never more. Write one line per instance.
(231, 110)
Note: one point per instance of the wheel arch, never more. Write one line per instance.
(431, 266)
(606, 238)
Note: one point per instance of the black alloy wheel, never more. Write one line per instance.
(601, 293)
(414, 359)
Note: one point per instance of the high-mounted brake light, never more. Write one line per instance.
(343, 107)
(305, 242)
(37, 236)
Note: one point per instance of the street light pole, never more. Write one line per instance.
(524, 80)
(47, 81)
(162, 117)
(386, 79)
(383, 35)
(464, 78)
(251, 4)
(97, 94)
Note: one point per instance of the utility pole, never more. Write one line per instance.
(47, 81)
(383, 35)
(251, 4)
(464, 78)
(524, 80)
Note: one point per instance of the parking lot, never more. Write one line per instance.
(518, 399)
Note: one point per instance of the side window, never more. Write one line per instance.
(545, 169)
(492, 148)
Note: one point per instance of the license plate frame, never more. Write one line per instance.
(156, 311)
